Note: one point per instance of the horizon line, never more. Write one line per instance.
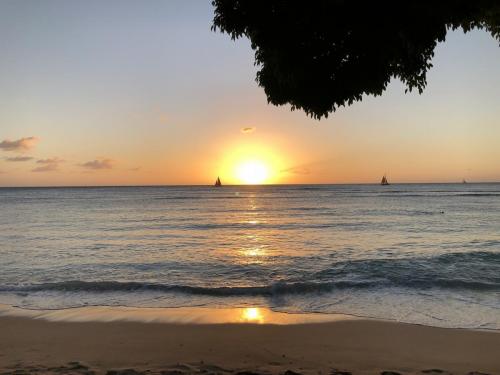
(243, 185)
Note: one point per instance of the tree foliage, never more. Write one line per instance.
(317, 55)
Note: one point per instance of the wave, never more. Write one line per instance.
(474, 271)
(478, 195)
(478, 270)
(392, 194)
(273, 290)
(115, 286)
(333, 193)
(202, 197)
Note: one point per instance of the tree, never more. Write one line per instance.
(318, 55)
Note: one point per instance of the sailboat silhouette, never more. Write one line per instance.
(384, 181)
(217, 182)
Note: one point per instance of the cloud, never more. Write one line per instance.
(19, 158)
(248, 130)
(46, 168)
(48, 165)
(306, 168)
(20, 145)
(134, 169)
(302, 169)
(98, 164)
(50, 161)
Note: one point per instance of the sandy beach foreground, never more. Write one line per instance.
(38, 345)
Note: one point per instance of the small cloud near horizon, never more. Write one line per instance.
(248, 130)
(98, 164)
(50, 160)
(19, 158)
(48, 165)
(305, 168)
(19, 145)
(46, 168)
(298, 170)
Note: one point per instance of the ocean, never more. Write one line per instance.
(417, 253)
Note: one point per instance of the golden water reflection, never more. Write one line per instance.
(253, 222)
(253, 252)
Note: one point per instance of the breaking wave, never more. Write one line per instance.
(477, 271)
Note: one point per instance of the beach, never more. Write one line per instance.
(360, 346)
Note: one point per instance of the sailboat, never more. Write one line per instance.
(384, 181)
(217, 182)
(463, 181)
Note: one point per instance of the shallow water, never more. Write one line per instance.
(420, 253)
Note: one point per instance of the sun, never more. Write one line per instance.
(252, 172)
(249, 164)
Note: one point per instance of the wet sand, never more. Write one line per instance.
(37, 345)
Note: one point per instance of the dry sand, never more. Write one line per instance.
(29, 345)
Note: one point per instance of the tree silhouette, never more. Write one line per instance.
(318, 55)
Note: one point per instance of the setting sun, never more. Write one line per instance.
(252, 172)
(251, 163)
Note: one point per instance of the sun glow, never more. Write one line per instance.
(252, 172)
(250, 164)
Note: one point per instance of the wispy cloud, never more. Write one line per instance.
(48, 165)
(134, 169)
(248, 130)
(54, 160)
(306, 168)
(46, 168)
(22, 144)
(19, 158)
(300, 169)
(98, 164)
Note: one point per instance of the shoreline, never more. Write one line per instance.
(47, 343)
(174, 315)
(196, 315)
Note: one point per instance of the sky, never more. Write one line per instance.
(143, 92)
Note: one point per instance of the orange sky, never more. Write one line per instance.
(155, 97)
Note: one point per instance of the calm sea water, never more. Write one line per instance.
(426, 253)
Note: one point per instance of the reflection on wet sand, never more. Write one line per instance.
(182, 315)
(252, 315)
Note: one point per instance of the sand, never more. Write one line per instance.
(360, 346)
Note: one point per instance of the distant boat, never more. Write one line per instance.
(384, 181)
(463, 181)
(217, 182)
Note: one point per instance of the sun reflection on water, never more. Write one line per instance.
(252, 252)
